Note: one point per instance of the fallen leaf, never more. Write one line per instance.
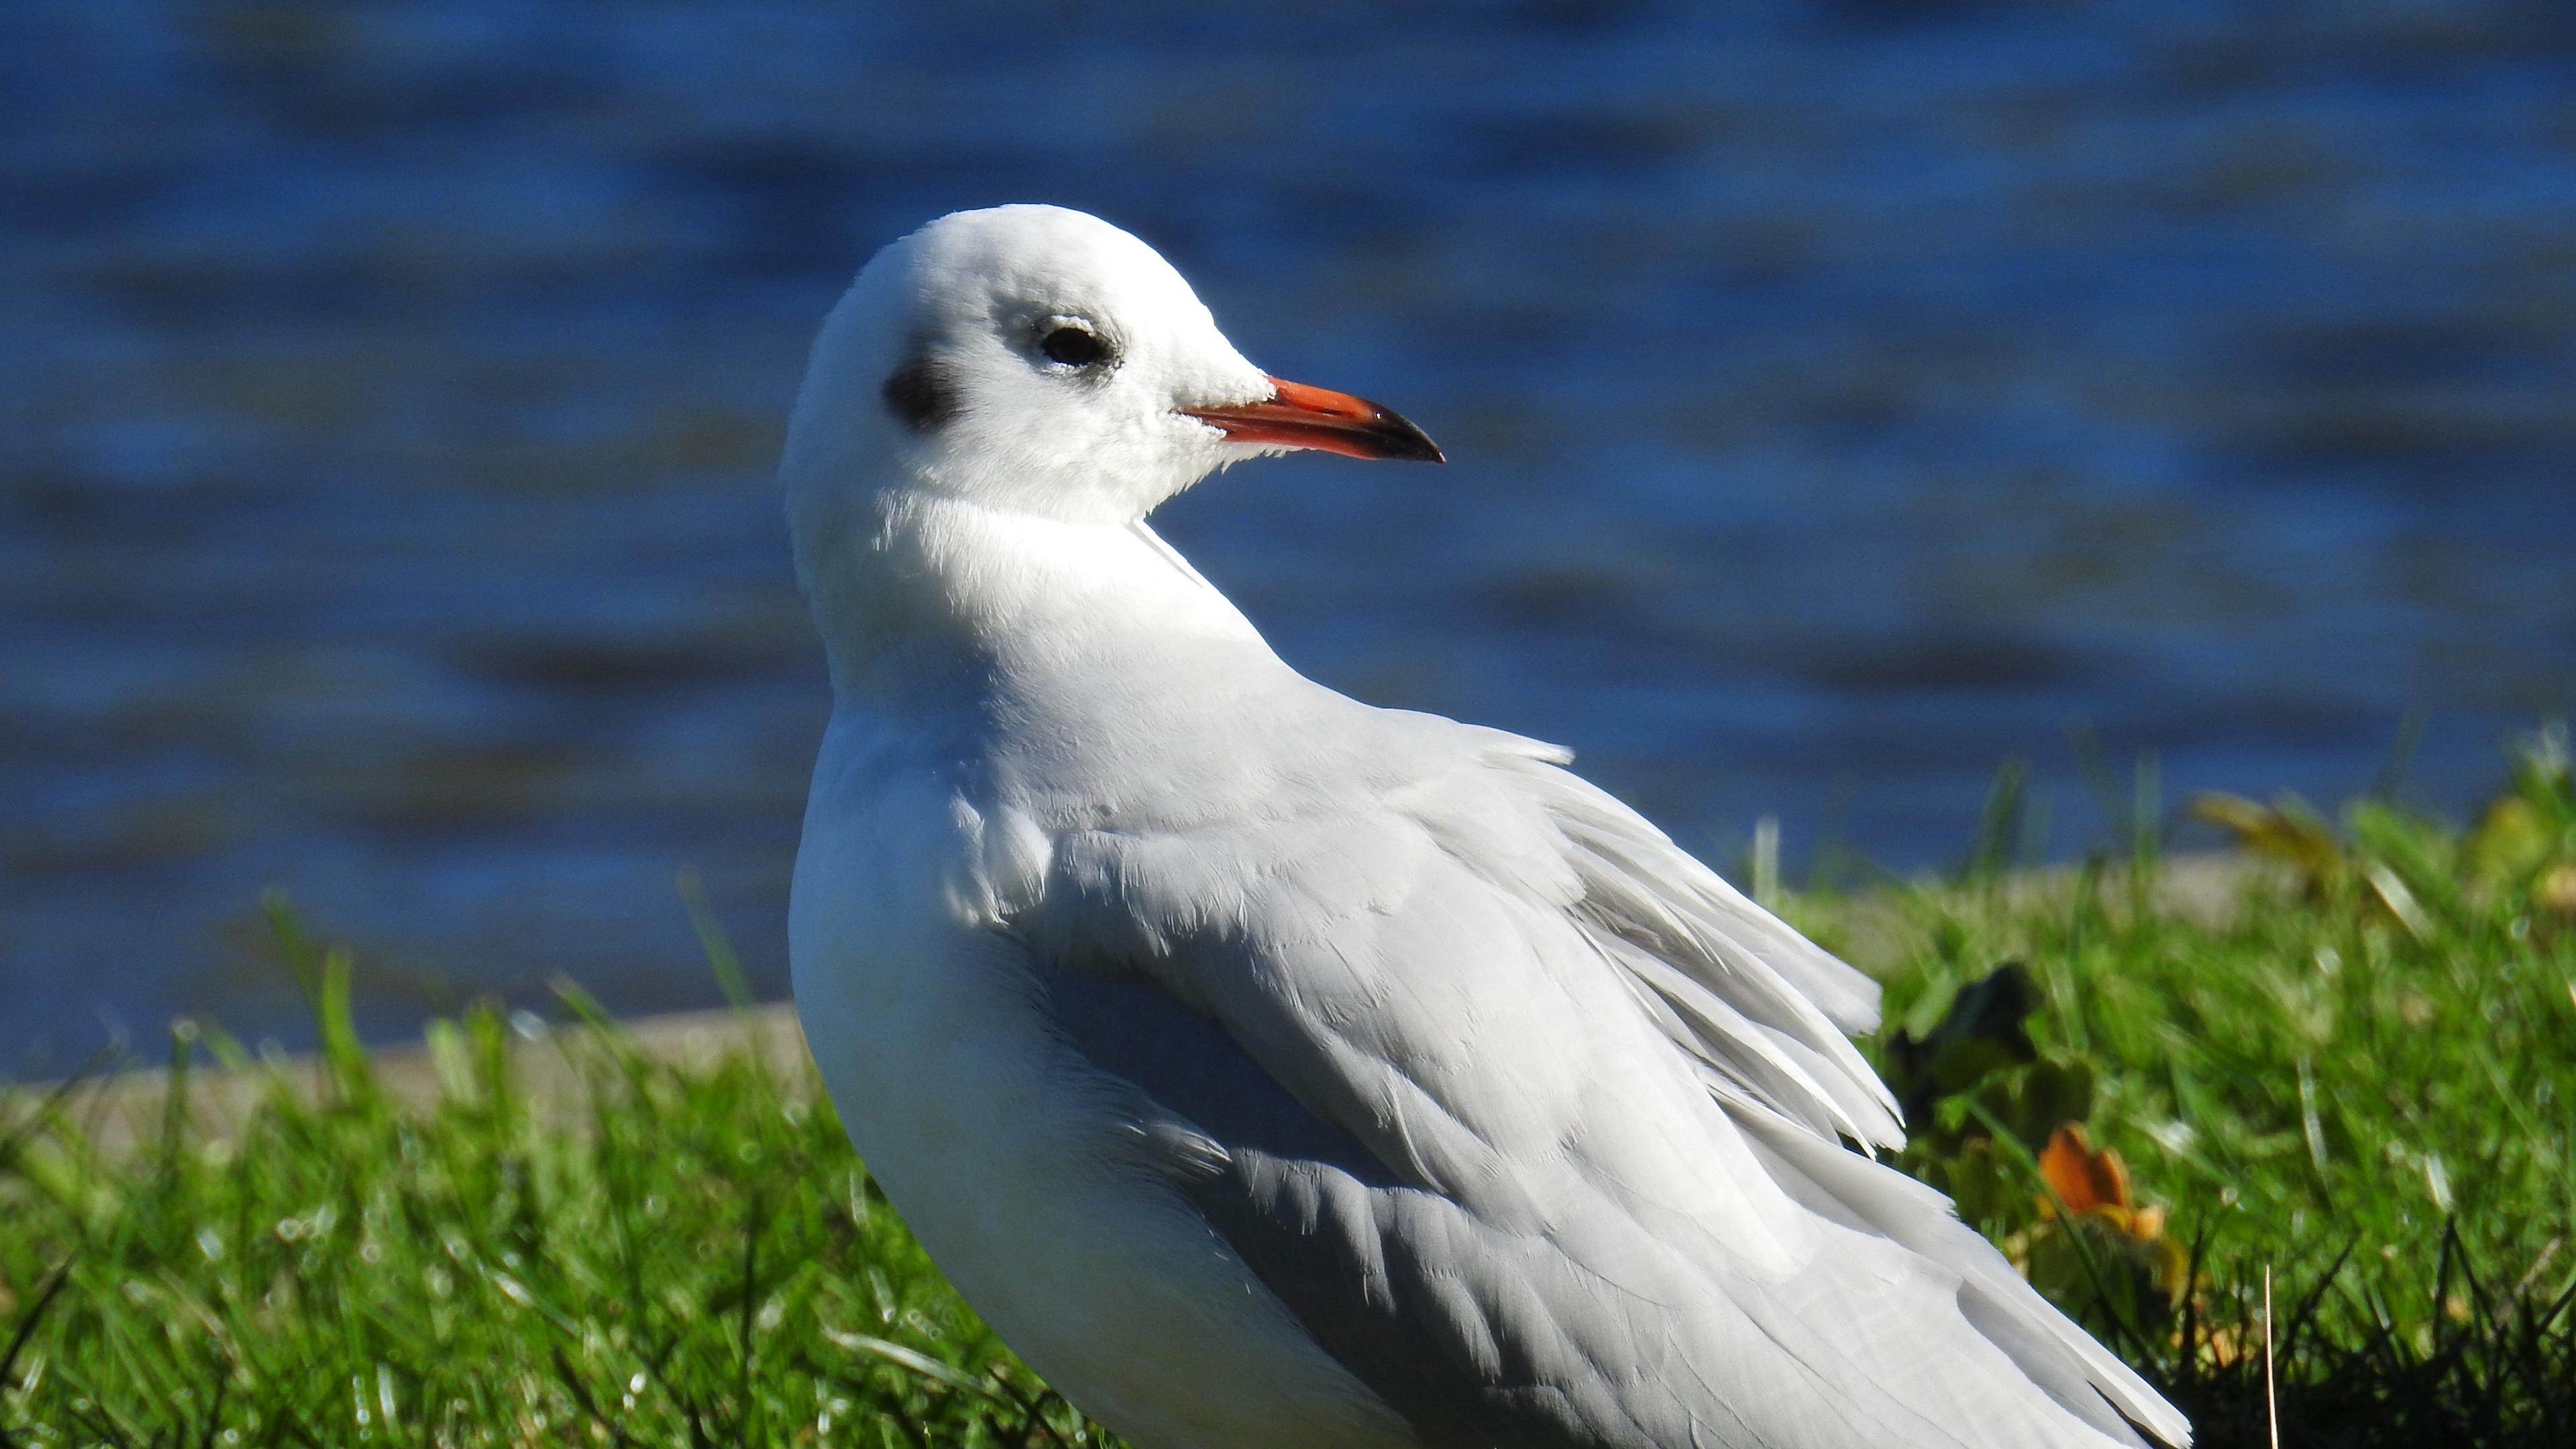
(2082, 1178)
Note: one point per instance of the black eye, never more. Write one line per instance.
(1073, 346)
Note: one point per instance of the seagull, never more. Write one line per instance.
(1273, 1071)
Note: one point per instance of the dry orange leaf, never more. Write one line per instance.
(2082, 1178)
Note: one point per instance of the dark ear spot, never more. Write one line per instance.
(920, 394)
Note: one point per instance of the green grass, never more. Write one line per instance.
(2360, 1080)
(2376, 1047)
(700, 1262)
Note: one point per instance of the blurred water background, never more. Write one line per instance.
(1844, 395)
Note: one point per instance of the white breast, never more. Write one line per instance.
(983, 1131)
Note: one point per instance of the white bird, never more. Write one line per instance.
(1277, 1072)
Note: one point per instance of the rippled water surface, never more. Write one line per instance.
(1842, 398)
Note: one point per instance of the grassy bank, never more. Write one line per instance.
(695, 1258)
(2357, 1077)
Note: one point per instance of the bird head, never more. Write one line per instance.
(1041, 360)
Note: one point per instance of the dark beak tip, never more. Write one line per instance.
(1407, 443)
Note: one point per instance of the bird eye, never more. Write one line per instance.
(1073, 346)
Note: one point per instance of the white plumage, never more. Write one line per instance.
(1273, 1070)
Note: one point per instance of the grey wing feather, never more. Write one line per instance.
(1131, 1028)
(1754, 1002)
(1552, 1232)
(2066, 1363)
(1698, 947)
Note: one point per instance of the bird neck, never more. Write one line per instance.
(928, 602)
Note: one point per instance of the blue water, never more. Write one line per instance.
(1842, 398)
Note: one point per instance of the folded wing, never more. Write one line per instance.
(1538, 1126)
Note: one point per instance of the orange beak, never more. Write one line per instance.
(1298, 416)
